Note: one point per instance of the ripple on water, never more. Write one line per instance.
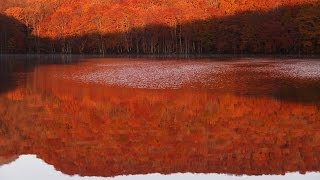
(151, 75)
(177, 74)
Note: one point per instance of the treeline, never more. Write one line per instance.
(281, 30)
(13, 36)
(285, 30)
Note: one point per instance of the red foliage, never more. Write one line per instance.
(172, 26)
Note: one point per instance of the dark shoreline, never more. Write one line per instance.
(171, 56)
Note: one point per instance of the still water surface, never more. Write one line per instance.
(107, 117)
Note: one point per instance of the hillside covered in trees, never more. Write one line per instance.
(160, 26)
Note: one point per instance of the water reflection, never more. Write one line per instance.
(97, 128)
(30, 167)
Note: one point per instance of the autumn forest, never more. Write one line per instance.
(160, 26)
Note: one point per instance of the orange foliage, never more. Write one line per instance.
(176, 26)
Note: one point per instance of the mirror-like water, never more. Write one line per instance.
(118, 116)
(30, 167)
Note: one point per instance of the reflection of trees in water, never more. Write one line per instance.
(13, 68)
(95, 130)
(6, 160)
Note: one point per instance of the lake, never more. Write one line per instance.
(79, 117)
